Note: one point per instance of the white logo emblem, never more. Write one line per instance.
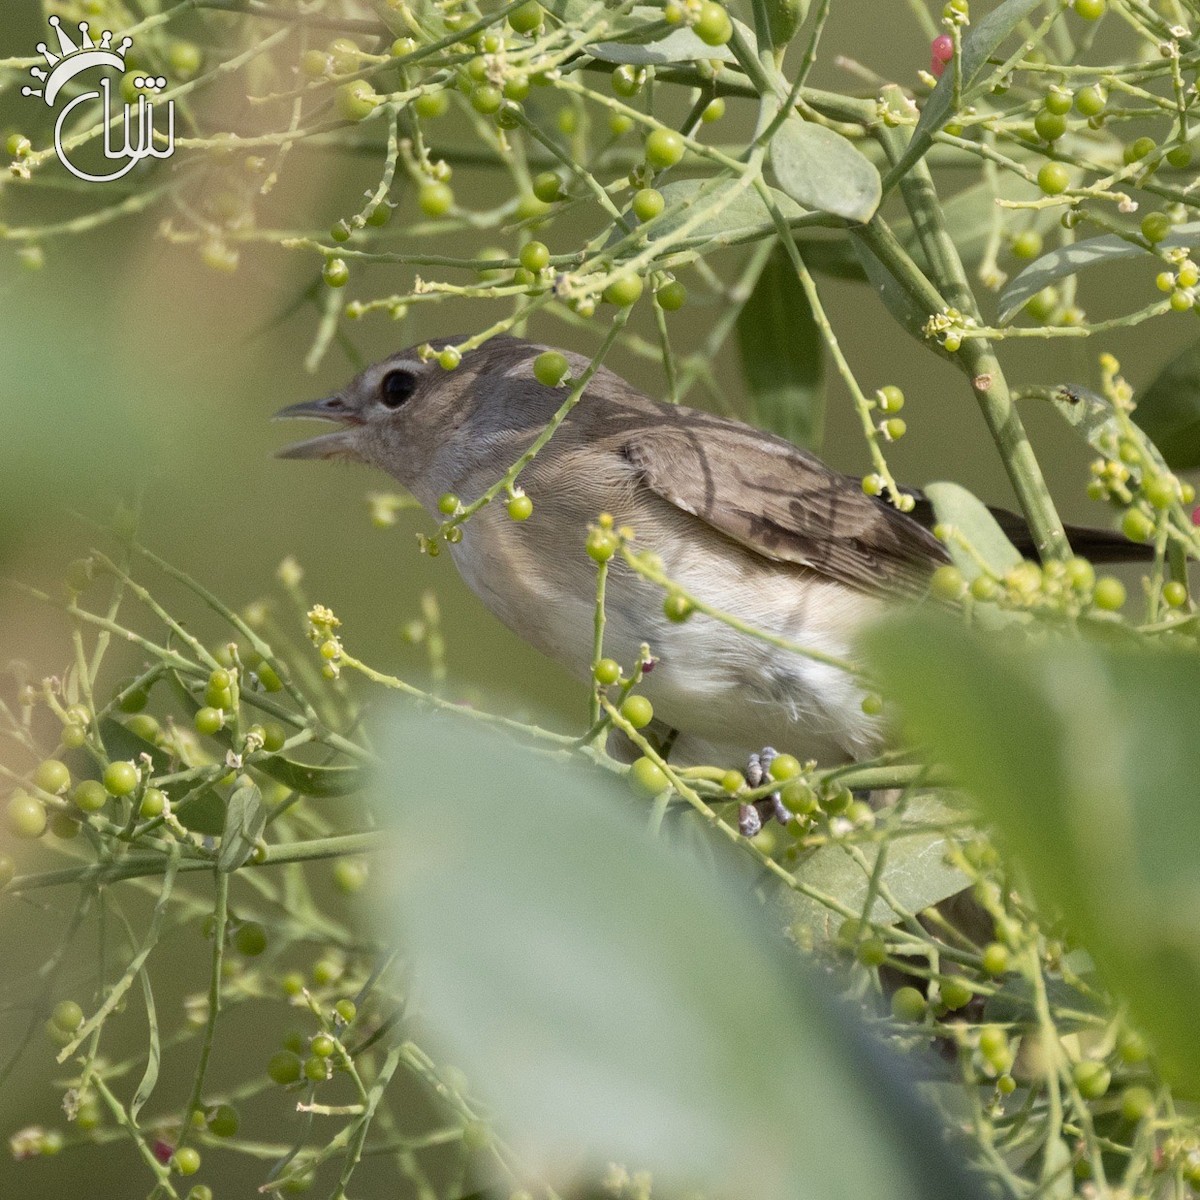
(88, 55)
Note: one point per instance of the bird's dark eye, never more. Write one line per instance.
(397, 387)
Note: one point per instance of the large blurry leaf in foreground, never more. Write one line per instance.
(782, 355)
(1087, 758)
(68, 389)
(1169, 410)
(615, 1000)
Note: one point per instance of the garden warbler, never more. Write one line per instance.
(742, 521)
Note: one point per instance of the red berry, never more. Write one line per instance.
(942, 48)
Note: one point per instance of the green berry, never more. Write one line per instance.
(486, 99)
(1155, 227)
(1091, 101)
(647, 204)
(550, 368)
(1042, 305)
(1179, 157)
(547, 187)
(714, 28)
(993, 1042)
(671, 296)
(1058, 101)
(1050, 126)
(890, 398)
(601, 545)
(209, 721)
(250, 939)
(1138, 149)
(872, 952)
(955, 994)
(154, 804)
(714, 110)
(625, 82)
(1091, 10)
(132, 701)
(356, 100)
(526, 18)
(1137, 526)
(908, 1004)
(784, 767)
(638, 711)
(349, 875)
(535, 256)
(664, 148)
(120, 778)
(90, 795)
(340, 232)
(619, 124)
(73, 736)
(624, 291)
(316, 1069)
(1161, 491)
(336, 273)
(345, 55)
(67, 1015)
(799, 797)
(323, 1045)
(649, 777)
(1109, 594)
(346, 1009)
(607, 672)
(1137, 1103)
(733, 781)
(52, 776)
(1053, 178)
(449, 358)
(520, 508)
(274, 736)
(1092, 1079)
(895, 429)
(380, 215)
(284, 1067)
(224, 1121)
(677, 607)
(947, 583)
(429, 105)
(995, 958)
(435, 199)
(1175, 593)
(186, 1160)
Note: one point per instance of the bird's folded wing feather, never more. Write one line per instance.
(782, 503)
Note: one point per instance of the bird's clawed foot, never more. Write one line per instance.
(752, 816)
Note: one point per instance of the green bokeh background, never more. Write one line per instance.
(129, 368)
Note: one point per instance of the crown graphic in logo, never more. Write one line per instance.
(74, 59)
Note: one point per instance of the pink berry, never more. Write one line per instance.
(936, 67)
(942, 47)
(1196, 515)
(163, 1151)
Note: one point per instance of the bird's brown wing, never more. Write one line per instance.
(781, 502)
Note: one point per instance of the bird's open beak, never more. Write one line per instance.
(329, 445)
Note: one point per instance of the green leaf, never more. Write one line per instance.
(680, 45)
(1092, 416)
(969, 517)
(915, 871)
(743, 218)
(615, 1000)
(1086, 758)
(980, 41)
(782, 355)
(149, 1079)
(1169, 410)
(245, 819)
(310, 779)
(1080, 256)
(822, 170)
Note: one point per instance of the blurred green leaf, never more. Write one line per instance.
(310, 779)
(954, 505)
(915, 871)
(1086, 758)
(680, 45)
(245, 820)
(1169, 410)
(619, 1001)
(822, 170)
(782, 355)
(1079, 256)
(981, 40)
(741, 219)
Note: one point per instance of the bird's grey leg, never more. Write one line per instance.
(752, 816)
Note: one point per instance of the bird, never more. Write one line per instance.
(746, 522)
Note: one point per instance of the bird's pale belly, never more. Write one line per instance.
(727, 692)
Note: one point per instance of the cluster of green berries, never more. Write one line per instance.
(1069, 587)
